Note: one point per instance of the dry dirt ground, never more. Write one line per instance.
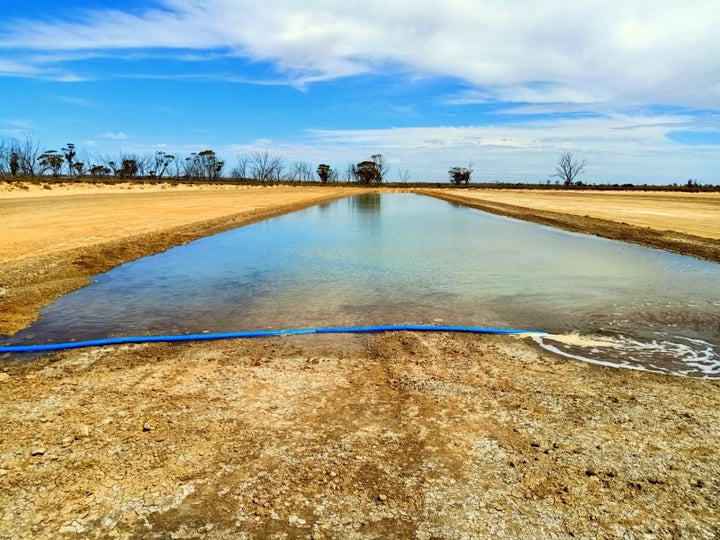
(389, 436)
(690, 213)
(686, 223)
(386, 436)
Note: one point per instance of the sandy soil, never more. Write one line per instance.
(390, 436)
(38, 222)
(697, 214)
(685, 223)
(386, 436)
(53, 241)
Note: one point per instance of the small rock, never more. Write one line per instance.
(3, 472)
(382, 497)
(38, 452)
(147, 426)
(294, 520)
(4, 377)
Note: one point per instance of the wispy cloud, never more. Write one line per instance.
(592, 51)
(613, 132)
(71, 100)
(17, 128)
(119, 136)
(8, 67)
(618, 147)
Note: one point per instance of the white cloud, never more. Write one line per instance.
(619, 148)
(72, 100)
(29, 69)
(640, 51)
(11, 68)
(617, 133)
(119, 136)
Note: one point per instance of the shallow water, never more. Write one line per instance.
(403, 258)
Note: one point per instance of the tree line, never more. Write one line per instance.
(26, 158)
(21, 159)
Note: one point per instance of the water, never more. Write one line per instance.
(403, 258)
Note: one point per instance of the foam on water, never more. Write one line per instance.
(674, 355)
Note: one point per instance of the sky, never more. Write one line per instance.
(633, 88)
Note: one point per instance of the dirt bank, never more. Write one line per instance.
(657, 220)
(52, 242)
(394, 436)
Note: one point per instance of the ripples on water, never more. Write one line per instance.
(402, 258)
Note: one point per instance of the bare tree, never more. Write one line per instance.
(110, 163)
(382, 168)
(568, 168)
(349, 173)
(404, 176)
(241, 169)
(265, 167)
(144, 164)
(174, 169)
(4, 158)
(20, 157)
(301, 171)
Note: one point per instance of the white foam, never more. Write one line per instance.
(695, 357)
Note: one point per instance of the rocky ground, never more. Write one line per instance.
(385, 436)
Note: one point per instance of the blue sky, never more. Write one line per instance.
(633, 89)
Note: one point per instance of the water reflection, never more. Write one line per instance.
(367, 203)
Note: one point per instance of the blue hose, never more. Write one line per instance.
(260, 333)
